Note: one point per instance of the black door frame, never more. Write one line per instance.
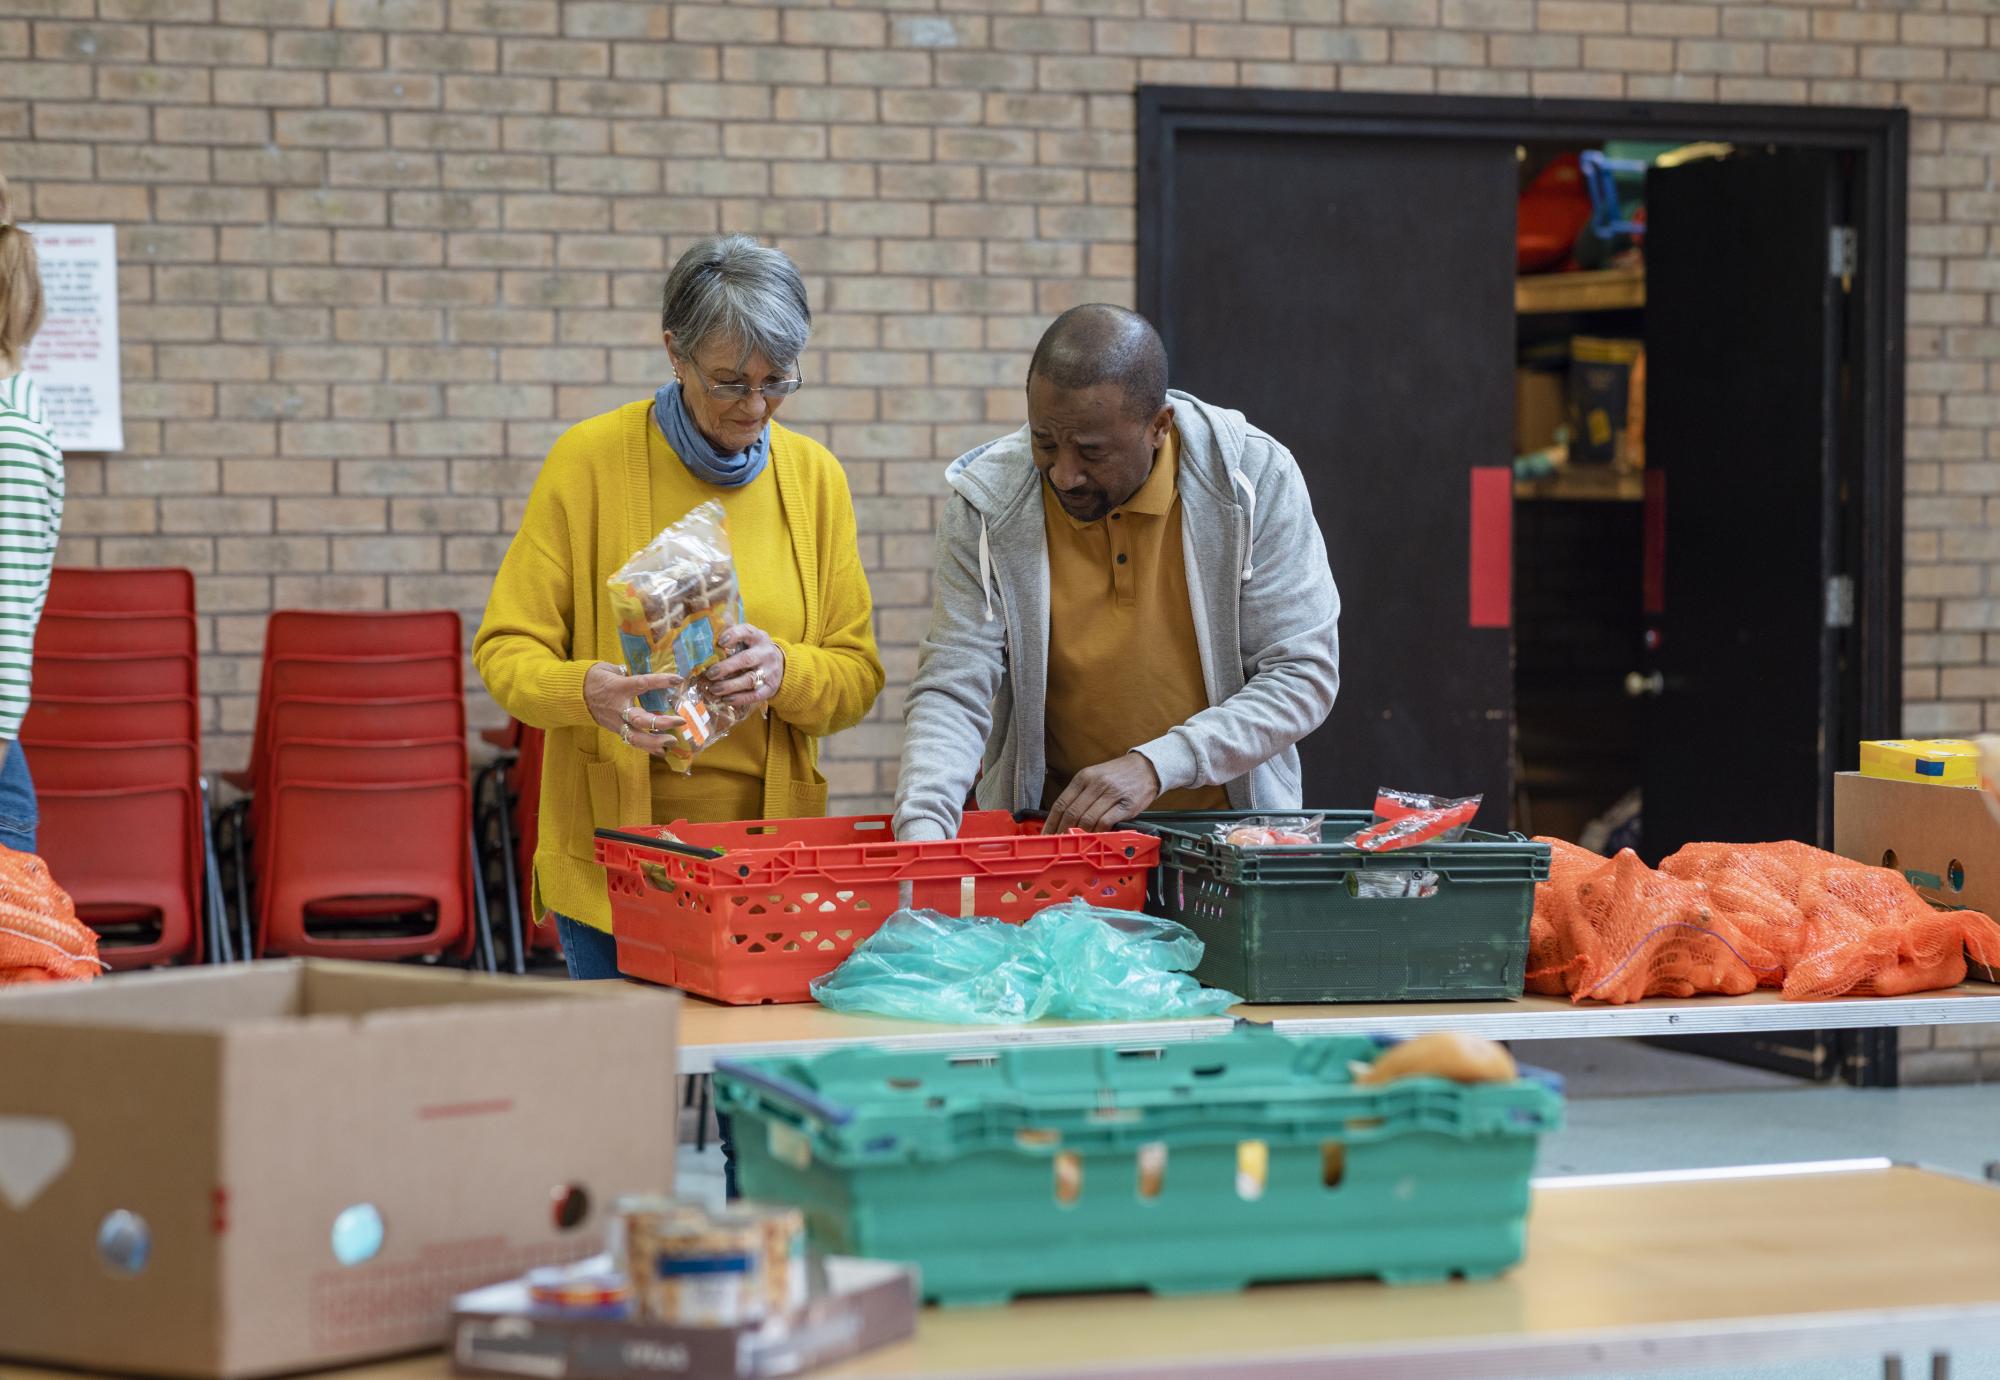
(1877, 140)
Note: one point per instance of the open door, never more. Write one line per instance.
(1353, 297)
(1744, 596)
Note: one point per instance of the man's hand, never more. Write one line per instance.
(1105, 796)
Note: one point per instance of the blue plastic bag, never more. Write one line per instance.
(1071, 962)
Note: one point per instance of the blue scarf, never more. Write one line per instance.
(724, 471)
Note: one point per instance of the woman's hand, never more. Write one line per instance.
(751, 675)
(610, 694)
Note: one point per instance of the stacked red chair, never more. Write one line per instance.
(511, 788)
(113, 737)
(359, 816)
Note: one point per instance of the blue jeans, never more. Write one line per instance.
(19, 815)
(592, 955)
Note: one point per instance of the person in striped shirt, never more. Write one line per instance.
(31, 502)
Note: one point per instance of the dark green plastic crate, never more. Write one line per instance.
(1288, 925)
(950, 1161)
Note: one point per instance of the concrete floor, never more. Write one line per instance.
(1635, 1107)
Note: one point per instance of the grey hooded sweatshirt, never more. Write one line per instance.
(1266, 615)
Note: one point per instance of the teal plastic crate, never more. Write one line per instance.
(1292, 925)
(1050, 1169)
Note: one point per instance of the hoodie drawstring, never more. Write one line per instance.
(986, 568)
(1248, 522)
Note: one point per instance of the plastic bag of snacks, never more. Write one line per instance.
(673, 600)
(1272, 831)
(1405, 819)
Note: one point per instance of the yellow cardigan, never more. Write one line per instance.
(549, 621)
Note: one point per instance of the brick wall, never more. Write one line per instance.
(378, 253)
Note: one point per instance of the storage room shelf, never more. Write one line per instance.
(1615, 289)
(1587, 484)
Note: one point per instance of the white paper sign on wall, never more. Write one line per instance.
(74, 357)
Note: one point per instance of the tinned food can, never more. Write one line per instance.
(705, 1273)
(782, 1231)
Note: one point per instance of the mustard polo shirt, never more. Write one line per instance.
(1124, 666)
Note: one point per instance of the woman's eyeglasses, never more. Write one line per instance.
(737, 392)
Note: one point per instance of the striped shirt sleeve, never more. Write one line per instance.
(31, 506)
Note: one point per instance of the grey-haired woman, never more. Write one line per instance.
(735, 320)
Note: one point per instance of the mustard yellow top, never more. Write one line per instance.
(728, 778)
(1124, 666)
(549, 620)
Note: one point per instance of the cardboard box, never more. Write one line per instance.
(234, 1115)
(1942, 838)
(1541, 404)
(857, 1306)
(1600, 392)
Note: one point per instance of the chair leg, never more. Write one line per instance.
(237, 817)
(222, 950)
(511, 878)
(482, 938)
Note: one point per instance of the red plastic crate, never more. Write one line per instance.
(790, 898)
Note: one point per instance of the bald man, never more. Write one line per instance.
(1133, 608)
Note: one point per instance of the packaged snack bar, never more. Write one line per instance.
(673, 601)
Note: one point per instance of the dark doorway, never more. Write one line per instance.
(1338, 268)
(1341, 269)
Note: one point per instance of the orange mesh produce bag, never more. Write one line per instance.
(1725, 917)
(41, 940)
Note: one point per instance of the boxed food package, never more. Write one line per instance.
(1927, 761)
(1942, 838)
(1540, 408)
(1600, 384)
(854, 1306)
(261, 1168)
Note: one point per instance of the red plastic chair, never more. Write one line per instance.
(318, 635)
(115, 634)
(350, 850)
(311, 634)
(113, 676)
(352, 678)
(120, 831)
(368, 764)
(436, 716)
(54, 719)
(343, 762)
(80, 589)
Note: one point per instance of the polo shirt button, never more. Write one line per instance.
(1121, 558)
